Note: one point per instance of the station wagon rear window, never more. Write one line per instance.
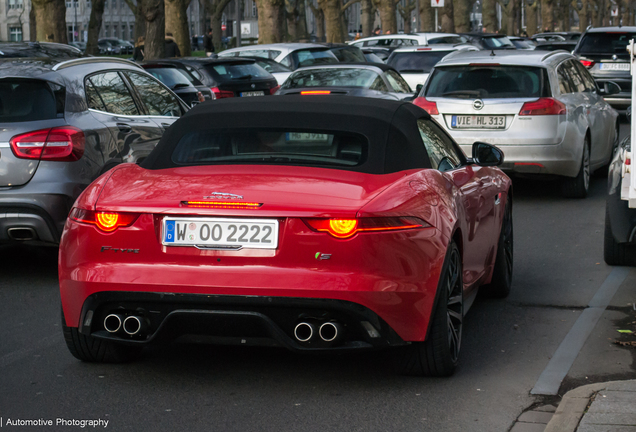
(30, 100)
(488, 81)
(275, 147)
(336, 77)
(237, 71)
(416, 62)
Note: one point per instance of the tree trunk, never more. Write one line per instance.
(461, 15)
(427, 17)
(489, 16)
(50, 20)
(271, 16)
(567, 25)
(301, 23)
(32, 26)
(319, 17)
(547, 16)
(177, 24)
(155, 45)
(367, 12)
(388, 16)
(94, 26)
(531, 18)
(406, 12)
(137, 9)
(448, 24)
(215, 8)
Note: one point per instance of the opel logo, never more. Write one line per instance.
(253, 85)
(478, 104)
(614, 57)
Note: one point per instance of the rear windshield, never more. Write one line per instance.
(30, 100)
(336, 77)
(416, 62)
(497, 42)
(276, 147)
(238, 71)
(38, 51)
(272, 66)
(170, 77)
(446, 40)
(349, 55)
(313, 57)
(488, 82)
(606, 43)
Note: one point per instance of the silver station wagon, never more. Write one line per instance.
(544, 111)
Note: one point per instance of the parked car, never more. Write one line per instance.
(542, 109)
(522, 43)
(229, 76)
(290, 55)
(489, 41)
(191, 75)
(40, 50)
(415, 63)
(375, 55)
(346, 53)
(391, 42)
(178, 82)
(556, 36)
(554, 46)
(258, 227)
(366, 80)
(79, 45)
(63, 124)
(106, 48)
(280, 72)
(119, 46)
(603, 51)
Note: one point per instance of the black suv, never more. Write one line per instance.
(63, 124)
(603, 51)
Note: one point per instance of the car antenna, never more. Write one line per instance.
(492, 53)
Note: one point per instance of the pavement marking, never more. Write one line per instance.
(562, 360)
(18, 355)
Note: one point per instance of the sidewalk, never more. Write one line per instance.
(612, 408)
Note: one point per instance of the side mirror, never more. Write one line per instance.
(418, 89)
(485, 154)
(610, 88)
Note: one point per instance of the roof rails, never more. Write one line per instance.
(555, 52)
(88, 60)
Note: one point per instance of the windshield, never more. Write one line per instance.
(308, 57)
(265, 146)
(337, 77)
(30, 100)
(170, 77)
(497, 42)
(417, 61)
(272, 66)
(606, 43)
(237, 71)
(488, 82)
(349, 54)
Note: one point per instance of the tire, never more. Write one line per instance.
(577, 187)
(501, 282)
(614, 253)
(93, 350)
(438, 355)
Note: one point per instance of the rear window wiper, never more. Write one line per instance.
(459, 93)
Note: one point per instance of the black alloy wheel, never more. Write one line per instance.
(501, 281)
(439, 354)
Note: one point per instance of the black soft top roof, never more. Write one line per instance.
(389, 126)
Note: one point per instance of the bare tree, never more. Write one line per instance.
(334, 22)
(448, 22)
(427, 16)
(367, 12)
(405, 12)
(531, 17)
(547, 15)
(137, 8)
(319, 16)
(271, 20)
(215, 8)
(489, 15)
(461, 15)
(509, 9)
(94, 26)
(177, 24)
(50, 20)
(388, 15)
(155, 44)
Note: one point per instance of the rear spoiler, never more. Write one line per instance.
(628, 190)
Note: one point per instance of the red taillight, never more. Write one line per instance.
(429, 106)
(274, 90)
(220, 94)
(315, 92)
(55, 144)
(345, 228)
(587, 63)
(105, 221)
(221, 204)
(542, 106)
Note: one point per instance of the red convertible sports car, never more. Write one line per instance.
(315, 223)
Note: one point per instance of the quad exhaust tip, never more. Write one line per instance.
(112, 323)
(304, 331)
(330, 331)
(133, 325)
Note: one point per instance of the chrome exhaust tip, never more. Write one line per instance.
(304, 331)
(330, 331)
(112, 323)
(22, 233)
(133, 325)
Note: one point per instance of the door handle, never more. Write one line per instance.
(124, 127)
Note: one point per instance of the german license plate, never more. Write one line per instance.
(305, 136)
(253, 93)
(223, 233)
(478, 122)
(614, 66)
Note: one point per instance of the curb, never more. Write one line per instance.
(573, 406)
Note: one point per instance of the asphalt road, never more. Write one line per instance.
(187, 387)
